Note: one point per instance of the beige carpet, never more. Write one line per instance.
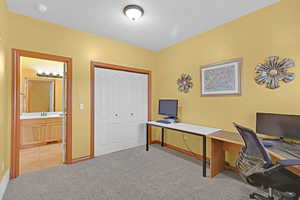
(133, 174)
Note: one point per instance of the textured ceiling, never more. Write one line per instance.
(165, 22)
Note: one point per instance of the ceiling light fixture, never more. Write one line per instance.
(42, 8)
(133, 12)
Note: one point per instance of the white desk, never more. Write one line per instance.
(186, 128)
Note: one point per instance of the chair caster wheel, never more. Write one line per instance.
(289, 196)
(259, 197)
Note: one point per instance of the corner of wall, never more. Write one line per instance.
(3, 184)
(4, 117)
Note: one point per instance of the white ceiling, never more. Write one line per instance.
(165, 22)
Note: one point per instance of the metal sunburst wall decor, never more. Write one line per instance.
(185, 83)
(273, 71)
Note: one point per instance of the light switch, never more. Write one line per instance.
(81, 106)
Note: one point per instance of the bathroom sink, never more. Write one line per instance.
(41, 115)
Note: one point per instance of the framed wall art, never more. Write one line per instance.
(223, 78)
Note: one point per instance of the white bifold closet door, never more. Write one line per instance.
(121, 110)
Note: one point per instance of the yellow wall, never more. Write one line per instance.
(3, 91)
(35, 35)
(271, 31)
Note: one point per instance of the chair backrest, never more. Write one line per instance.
(253, 146)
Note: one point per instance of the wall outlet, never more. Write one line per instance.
(185, 137)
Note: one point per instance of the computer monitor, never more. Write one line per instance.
(278, 125)
(168, 107)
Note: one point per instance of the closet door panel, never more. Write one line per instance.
(136, 109)
(142, 96)
(103, 108)
(116, 82)
(137, 135)
(121, 105)
(139, 98)
(142, 108)
(133, 101)
(124, 96)
(128, 104)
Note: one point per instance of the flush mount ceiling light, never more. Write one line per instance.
(133, 12)
(42, 8)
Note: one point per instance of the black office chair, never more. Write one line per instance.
(256, 168)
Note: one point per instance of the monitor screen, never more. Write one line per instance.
(168, 107)
(286, 126)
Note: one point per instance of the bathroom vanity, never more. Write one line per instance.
(40, 128)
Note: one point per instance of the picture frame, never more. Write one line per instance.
(221, 79)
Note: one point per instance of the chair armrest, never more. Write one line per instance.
(286, 163)
(272, 169)
(281, 164)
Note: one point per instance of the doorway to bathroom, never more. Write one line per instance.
(41, 112)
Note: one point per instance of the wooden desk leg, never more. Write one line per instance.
(162, 136)
(217, 158)
(147, 137)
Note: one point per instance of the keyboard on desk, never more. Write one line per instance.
(290, 148)
(163, 121)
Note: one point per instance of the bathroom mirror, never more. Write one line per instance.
(39, 96)
(41, 89)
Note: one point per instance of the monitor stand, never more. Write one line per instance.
(269, 142)
(168, 120)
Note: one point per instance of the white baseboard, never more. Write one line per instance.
(3, 184)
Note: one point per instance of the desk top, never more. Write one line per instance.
(189, 128)
(230, 137)
(235, 138)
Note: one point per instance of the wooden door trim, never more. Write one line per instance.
(92, 94)
(15, 108)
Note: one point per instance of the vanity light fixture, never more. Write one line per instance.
(133, 12)
(49, 75)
